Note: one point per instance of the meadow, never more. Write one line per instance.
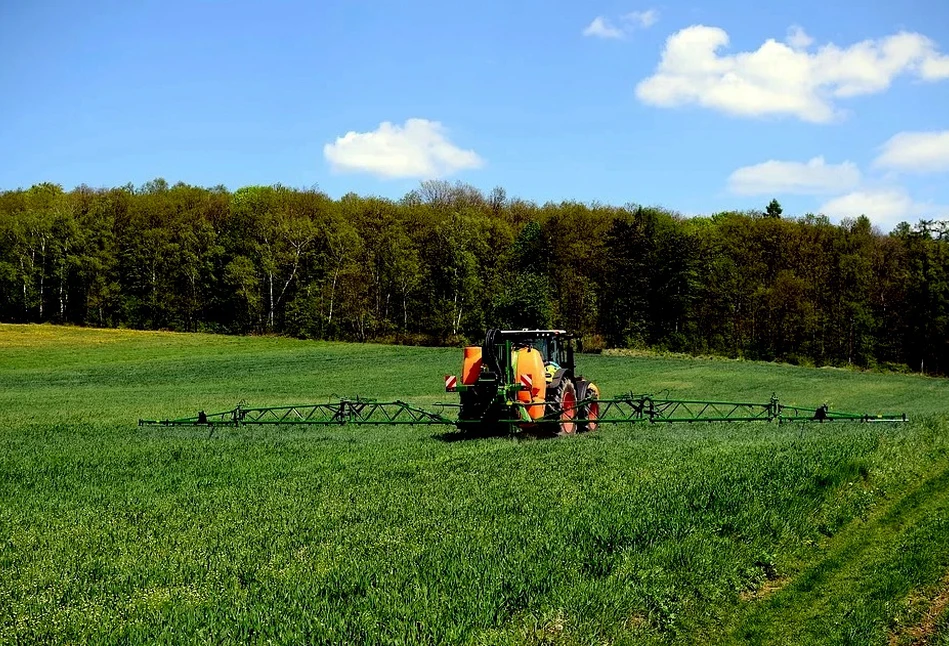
(645, 534)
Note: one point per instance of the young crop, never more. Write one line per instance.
(706, 533)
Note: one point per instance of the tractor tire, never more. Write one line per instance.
(588, 414)
(563, 405)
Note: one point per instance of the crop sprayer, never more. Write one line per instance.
(522, 381)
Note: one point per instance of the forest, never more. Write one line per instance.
(446, 261)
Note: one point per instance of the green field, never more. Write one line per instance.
(705, 533)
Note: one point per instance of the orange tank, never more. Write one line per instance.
(527, 361)
(471, 365)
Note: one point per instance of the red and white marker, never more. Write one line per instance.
(450, 382)
(526, 381)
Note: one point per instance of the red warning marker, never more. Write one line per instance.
(450, 382)
(526, 381)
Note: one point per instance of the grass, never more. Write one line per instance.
(721, 533)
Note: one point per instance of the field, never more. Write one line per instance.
(706, 533)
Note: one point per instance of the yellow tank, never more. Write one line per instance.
(527, 361)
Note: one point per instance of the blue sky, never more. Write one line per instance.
(697, 107)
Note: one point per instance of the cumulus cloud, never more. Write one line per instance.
(783, 79)
(798, 39)
(601, 27)
(420, 149)
(644, 19)
(886, 207)
(916, 152)
(934, 69)
(814, 177)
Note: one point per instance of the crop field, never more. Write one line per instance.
(639, 534)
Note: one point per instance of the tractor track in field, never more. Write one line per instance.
(790, 606)
(922, 632)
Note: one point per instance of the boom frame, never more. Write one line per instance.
(626, 409)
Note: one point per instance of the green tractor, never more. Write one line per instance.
(524, 379)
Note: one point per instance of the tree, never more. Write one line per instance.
(445, 261)
(623, 316)
(525, 297)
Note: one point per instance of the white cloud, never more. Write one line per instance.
(890, 205)
(644, 19)
(935, 68)
(602, 28)
(916, 151)
(419, 149)
(778, 79)
(886, 207)
(798, 39)
(814, 177)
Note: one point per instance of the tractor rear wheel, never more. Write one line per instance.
(589, 413)
(565, 406)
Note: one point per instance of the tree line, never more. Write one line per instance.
(446, 261)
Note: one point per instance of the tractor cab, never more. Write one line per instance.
(554, 346)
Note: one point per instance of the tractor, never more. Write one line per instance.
(524, 379)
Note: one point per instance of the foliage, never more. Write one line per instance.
(446, 261)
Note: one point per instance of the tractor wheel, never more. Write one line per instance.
(565, 404)
(588, 414)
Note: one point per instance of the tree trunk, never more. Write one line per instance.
(270, 301)
(293, 273)
(192, 325)
(63, 275)
(42, 276)
(333, 294)
(26, 304)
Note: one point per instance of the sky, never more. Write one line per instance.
(697, 107)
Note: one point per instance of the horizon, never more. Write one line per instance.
(591, 204)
